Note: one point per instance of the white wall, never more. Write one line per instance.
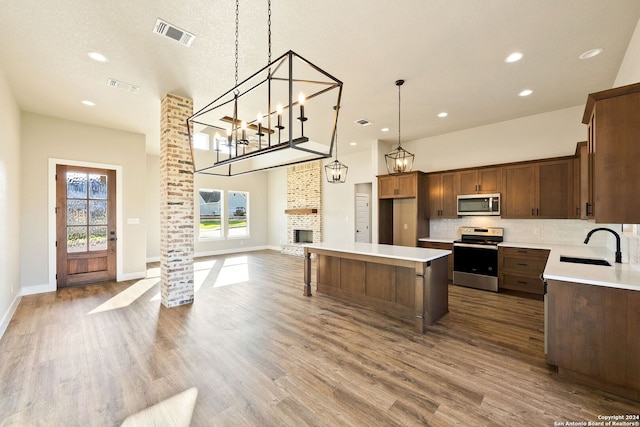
(277, 190)
(45, 137)
(9, 203)
(549, 134)
(629, 71)
(152, 190)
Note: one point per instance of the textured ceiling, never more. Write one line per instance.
(450, 52)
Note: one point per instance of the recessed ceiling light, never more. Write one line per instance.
(590, 53)
(514, 57)
(97, 56)
(525, 92)
(89, 103)
(385, 129)
(353, 143)
(443, 114)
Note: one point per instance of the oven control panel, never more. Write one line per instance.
(482, 231)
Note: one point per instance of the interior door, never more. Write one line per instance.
(86, 225)
(362, 218)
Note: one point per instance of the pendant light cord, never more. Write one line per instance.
(269, 30)
(237, 32)
(399, 104)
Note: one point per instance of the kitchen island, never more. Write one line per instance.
(407, 282)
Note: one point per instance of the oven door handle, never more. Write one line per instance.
(471, 245)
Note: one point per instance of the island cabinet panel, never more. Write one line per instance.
(352, 276)
(442, 246)
(593, 335)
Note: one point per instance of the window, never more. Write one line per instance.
(237, 220)
(201, 141)
(211, 209)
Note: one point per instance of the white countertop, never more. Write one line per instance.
(622, 276)
(406, 253)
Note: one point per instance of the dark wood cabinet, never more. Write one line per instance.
(520, 269)
(593, 335)
(402, 209)
(398, 186)
(483, 180)
(614, 154)
(442, 195)
(542, 189)
(444, 246)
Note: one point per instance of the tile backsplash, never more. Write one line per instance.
(550, 231)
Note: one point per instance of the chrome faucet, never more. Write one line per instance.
(618, 253)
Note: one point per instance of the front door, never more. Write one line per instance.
(86, 225)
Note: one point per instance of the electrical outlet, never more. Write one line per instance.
(536, 231)
(406, 227)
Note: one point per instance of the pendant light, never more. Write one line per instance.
(336, 172)
(399, 160)
(281, 115)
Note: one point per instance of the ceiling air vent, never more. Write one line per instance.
(363, 122)
(168, 30)
(123, 86)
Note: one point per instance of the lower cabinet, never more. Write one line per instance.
(593, 335)
(519, 269)
(443, 246)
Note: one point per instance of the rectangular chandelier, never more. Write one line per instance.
(284, 114)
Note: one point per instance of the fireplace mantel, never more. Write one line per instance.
(307, 211)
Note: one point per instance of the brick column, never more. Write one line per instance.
(176, 202)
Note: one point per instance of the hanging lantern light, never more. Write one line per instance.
(279, 116)
(399, 160)
(336, 172)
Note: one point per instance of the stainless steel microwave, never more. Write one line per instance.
(479, 204)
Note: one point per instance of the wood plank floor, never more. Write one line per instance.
(260, 353)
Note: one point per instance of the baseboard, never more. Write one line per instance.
(153, 259)
(231, 251)
(4, 324)
(37, 289)
(131, 276)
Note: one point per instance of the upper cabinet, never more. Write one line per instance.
(483, 180)
(613, 146)
(398, 186)
(442, 195)
(541, 189)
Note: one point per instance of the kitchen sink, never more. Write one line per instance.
(592, 261)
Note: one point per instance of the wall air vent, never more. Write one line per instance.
(168, 30)
(122, 86)
(363, 122)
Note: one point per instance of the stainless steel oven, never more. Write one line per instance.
(475, 257)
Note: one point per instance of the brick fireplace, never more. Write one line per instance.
(304, 206)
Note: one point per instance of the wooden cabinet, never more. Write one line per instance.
(398, 186)
(402, 209)
(592, 335)
(442, 195)
(483, 180)
(519, 269)
(541, 189)
(614, 154)
(581, 174)
(444, 246)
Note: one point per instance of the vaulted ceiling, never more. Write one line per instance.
(450, 52)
